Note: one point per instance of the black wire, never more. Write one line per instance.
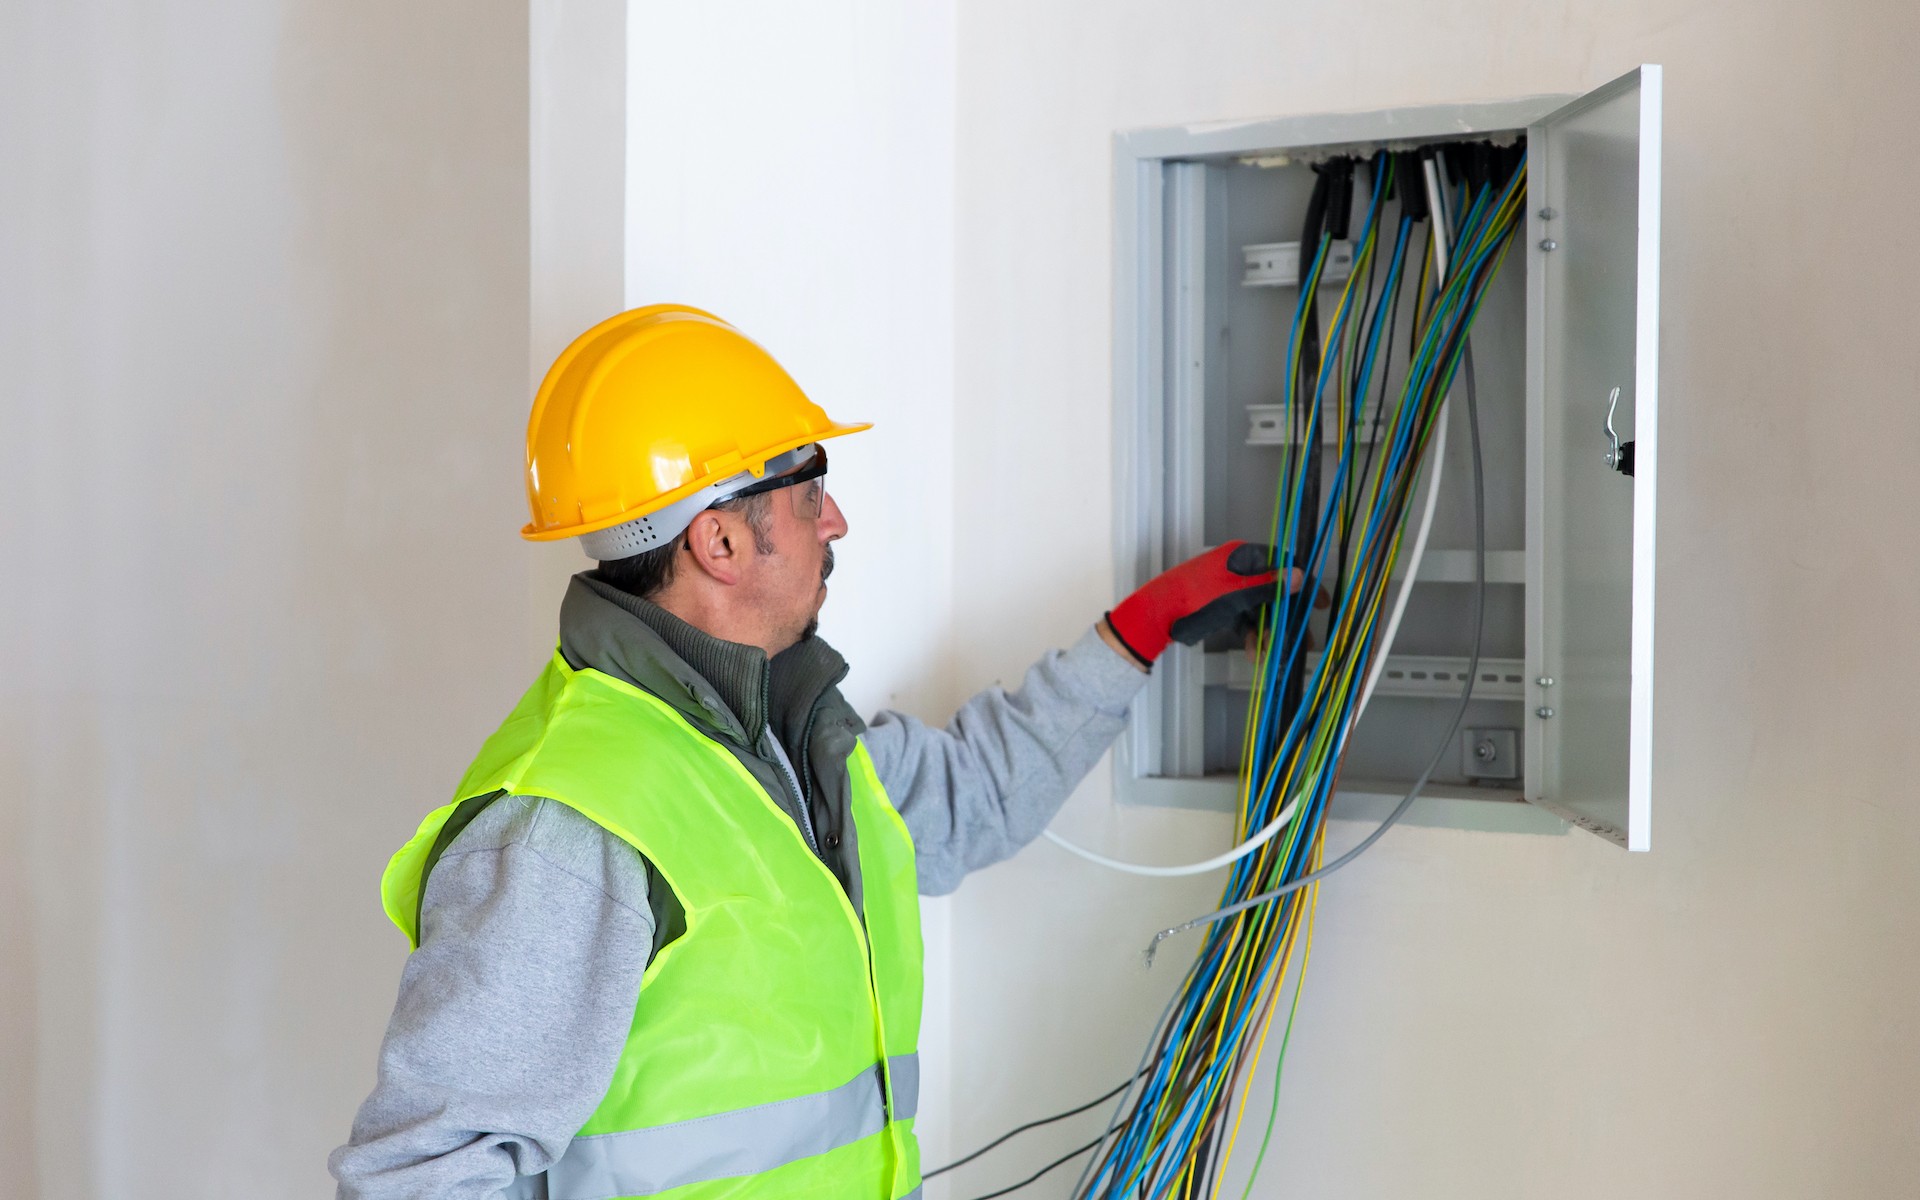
(1207, 1154)
(1062, 1161)
(1012, 1133)
(1215, 1161)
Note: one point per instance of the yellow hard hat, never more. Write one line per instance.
(658, 408)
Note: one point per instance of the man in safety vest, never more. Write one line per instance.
(666, 934)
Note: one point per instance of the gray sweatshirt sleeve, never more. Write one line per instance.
(512, 1013)
(973, 793)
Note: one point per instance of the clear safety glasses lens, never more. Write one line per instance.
(806, 485)
(809, 498)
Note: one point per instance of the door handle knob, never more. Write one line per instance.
(1619, 453)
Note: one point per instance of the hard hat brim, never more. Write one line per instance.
(755, 463)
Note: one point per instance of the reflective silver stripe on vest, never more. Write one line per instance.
(904, 1070)
(746, 1141)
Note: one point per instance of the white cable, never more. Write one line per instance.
(1200, 868)
(1441, 236)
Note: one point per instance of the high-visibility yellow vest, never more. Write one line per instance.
(772, 1052)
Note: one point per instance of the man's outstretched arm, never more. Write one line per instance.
(976, 791)
(986, 785)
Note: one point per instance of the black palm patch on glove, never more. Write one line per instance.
(1237, 609)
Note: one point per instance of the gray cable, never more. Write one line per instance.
(1453, 727)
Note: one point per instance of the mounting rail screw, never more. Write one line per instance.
(1545, 681)
(1547, 214)
(1543, 713)
(1549, 244)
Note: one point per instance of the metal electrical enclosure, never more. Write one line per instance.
(1567, 349)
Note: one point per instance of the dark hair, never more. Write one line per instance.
(647, 572)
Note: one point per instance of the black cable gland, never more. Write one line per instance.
(1511, 158)
(1339, 198)
(1412, 179)
(1343, 198)
(1479, 165)
(1315, 223)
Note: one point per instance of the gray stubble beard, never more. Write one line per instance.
(826, 569)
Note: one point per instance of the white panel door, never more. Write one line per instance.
(1593, 347)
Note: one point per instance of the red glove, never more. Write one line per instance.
(1200, 596)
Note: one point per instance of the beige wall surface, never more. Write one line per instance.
(1503, 1015)
(264, 325)
(265, 331)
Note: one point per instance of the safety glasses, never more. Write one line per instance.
(806, 485)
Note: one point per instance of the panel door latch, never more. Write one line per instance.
(1619, 453)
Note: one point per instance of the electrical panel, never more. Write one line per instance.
(1564, 353)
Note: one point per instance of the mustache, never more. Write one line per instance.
(826, 565)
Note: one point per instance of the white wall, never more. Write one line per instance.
(790, 168)
(265, 335)
(265, 329)
(577, 202)
(1491, 1015)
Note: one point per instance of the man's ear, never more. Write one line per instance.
(715, 547)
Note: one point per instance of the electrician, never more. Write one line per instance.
(667, 934)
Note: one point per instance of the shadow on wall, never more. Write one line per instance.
(280, 269)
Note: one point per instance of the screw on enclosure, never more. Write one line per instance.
(1545, 681)
(1547, 214)
(1549, 244)
(1543, 713)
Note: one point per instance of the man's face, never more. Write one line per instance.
(788, 583)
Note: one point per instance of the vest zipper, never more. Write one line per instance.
(806, 753)
(791, 775)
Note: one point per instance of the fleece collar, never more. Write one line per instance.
(729, 690)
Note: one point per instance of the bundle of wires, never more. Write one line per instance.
(1340, 512)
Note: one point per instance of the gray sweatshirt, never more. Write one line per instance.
(536, 923)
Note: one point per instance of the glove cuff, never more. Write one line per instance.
(1146, 664)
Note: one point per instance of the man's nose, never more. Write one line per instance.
(833, 522)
